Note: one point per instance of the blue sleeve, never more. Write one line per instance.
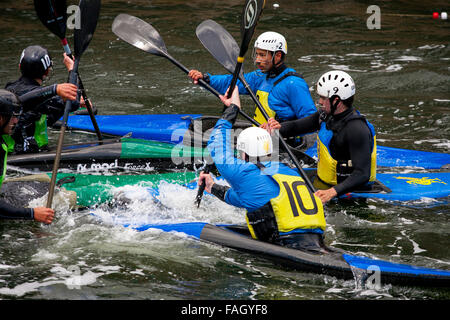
(222, 82)
(232, 198)
(221, 149)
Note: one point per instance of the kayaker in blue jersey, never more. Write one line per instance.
(30, 135)
(282, 92)
(280, 208)
(10, 111)
(346, 140)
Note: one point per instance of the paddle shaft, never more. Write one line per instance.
(235, 77)
(83, 93)
(249, 18)
(72, 79)
(51, 189)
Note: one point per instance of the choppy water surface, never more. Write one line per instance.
(402, 78)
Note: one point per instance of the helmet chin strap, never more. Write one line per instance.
(333, 106)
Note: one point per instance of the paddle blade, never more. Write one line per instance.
(89, 12)
(250, 17)
(53, 14)
(139, 33)
(219, 43)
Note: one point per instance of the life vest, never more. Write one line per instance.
(9, 142)
(40, 136)
(329, 169)
(263, 93)
(295, 210)
(3, 160)
(40, 131)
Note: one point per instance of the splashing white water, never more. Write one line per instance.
(169, 203)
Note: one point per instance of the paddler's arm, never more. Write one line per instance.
(218, 82)
(8, 211)
(40, 95)
(296, 127)
(221, 148)
(40, 214)
(220, 143)
(216, 189)
(359, 143)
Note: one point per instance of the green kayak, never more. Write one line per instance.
(82, 190)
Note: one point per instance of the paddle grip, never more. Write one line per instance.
(66, 47)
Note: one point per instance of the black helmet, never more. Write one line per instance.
(10, 104)
(34, 61)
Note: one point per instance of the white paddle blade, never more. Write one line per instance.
(139, 33)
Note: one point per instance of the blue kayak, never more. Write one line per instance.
(172, 128)
(395, 187)
(329, 261)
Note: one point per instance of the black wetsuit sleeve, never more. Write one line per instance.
(54, 109)
(300, 126)
(359, 140)
(219, 191)
(7, 211)
(37, 96)
(230, 113)
(44, 100)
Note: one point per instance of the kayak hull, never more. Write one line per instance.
(126, 154)
(334, 262)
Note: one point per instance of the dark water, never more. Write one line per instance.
(402, 79)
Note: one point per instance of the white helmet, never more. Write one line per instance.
(254, 141)
(337, 83)
(271, 41)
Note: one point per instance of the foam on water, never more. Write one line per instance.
(172, 203)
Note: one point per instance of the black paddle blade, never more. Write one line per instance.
(140, 34)
(250, 17)
(198, 198)
(53, 14)
(89, 12)
(219, 43)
